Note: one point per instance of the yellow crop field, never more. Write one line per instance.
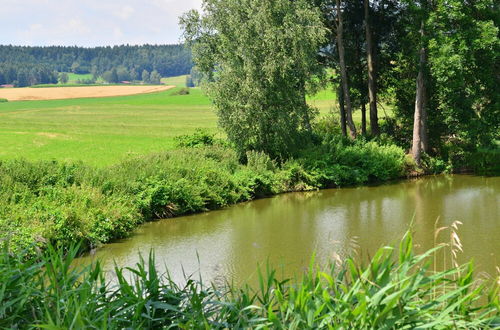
(59, 93)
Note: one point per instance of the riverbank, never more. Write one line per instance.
(61, 203)
(396, 289)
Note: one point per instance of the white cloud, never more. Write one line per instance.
(75, 25)
(125, 12)
(117, 32)
(92, 22)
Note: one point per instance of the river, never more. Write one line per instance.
(286, 230)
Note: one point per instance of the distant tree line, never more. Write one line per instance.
(26, 75)
(25, 66)
(121, 73)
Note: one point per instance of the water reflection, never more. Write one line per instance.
(286, 230)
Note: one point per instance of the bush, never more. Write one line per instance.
(2, 100)
(197, 139)
(435, 165)
(340, 162)
(182, 91)
(485, 161)
(88, 81)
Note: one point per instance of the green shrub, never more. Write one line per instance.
(2, 100)
(197, 139)
(485, 161)
(340, 162)
(182, 91)
(435, 165)
(260, 162)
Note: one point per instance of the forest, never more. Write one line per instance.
(26, 66)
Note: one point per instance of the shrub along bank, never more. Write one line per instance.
(60, 203)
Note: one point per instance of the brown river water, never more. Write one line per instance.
(286, 230)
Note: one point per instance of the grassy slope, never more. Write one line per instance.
(102, 131)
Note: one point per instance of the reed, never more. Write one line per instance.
(396, 289)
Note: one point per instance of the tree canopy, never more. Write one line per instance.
(433, 62)
(257, 58)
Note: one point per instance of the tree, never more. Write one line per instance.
(419, 144)
(258, 57)
(133, 74)
(155, 77)
(123, 74)
(145, 76)
(372, 92)
(63, 78)
(343, 70)
(75, 67)
(189, 81)
(111, 76)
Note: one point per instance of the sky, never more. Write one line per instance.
(91, 23)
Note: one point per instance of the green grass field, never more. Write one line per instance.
(74, 77)
(176, 81)
(102, 131)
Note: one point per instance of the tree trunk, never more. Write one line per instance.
(420, 118)
(342, 110)
(343, 71)
(372, 89)
(306, 117)
(363, 119)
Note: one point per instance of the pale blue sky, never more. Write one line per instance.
(91, 22)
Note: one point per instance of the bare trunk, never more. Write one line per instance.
(342, 111)
(424, 141)
(420, 118)
(343, 71)
(372, 89)
(363, 118)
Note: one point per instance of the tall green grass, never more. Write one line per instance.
(396, 289)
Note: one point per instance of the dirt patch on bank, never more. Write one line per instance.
(59, 93)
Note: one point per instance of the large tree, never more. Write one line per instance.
(258, 58)
(449, 50)
(372, 89)
(343, 71)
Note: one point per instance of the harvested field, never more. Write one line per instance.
(59, 93)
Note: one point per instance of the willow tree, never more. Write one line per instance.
(258, 57)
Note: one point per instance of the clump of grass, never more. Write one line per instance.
(394, 290)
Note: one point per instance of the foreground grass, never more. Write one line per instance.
(395, 290)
